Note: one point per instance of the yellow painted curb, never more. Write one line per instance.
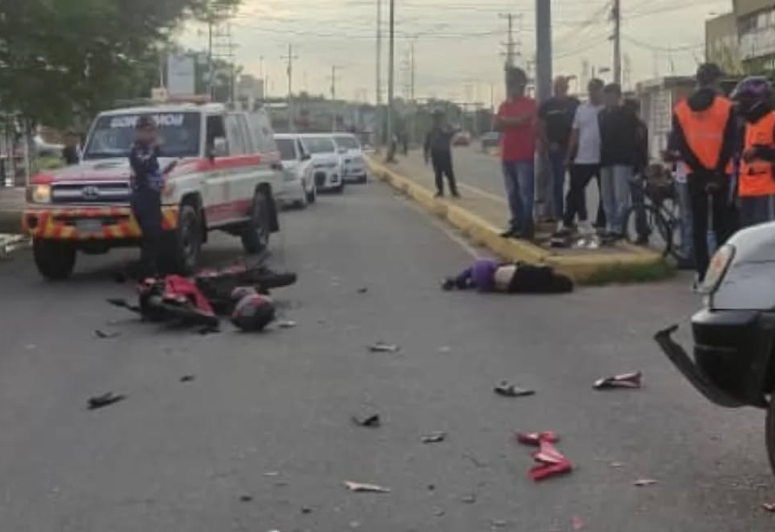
(583, 268)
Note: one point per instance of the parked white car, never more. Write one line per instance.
(354, 162)
(326, 160)
(298, 174)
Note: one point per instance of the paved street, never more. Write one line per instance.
(268, 416)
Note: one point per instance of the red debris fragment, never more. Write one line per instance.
(625, 380)
(577, 523)
(551, 462)
(535, 438)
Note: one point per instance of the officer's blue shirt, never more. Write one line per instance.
(146, 171)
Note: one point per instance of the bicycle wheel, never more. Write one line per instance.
(651, 232)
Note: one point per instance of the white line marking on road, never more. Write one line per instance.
(482, 193)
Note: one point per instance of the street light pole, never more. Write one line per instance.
(543, 90)
(378, 121)
(391, 76)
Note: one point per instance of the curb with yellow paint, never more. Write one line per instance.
(586, 268)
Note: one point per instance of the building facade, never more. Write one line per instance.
(743, 41)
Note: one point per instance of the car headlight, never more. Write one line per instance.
(717, 269)
(39, 193)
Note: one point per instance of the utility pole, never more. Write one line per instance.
(210, 65)
(543, 88)
(510, 43)
(334, 68)
(290, 57)
(616, 17)
(391, 80)
(263, 80)
(377, 120)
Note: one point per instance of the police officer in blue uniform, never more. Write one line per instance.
(147, 186)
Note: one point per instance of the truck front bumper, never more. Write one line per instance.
(88, 222)
(732, 364)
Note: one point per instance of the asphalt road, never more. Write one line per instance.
(267, 417)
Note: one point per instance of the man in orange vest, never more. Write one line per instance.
(756, 185)
(704, 133)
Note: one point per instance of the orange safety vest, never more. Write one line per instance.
(704, 130)
(757, 177)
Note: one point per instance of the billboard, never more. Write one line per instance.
(181, 75)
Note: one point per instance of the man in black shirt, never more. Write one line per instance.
(620, 148)
(556, 116)
(438, 149)
(70, 153)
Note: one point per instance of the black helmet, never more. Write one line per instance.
(753, 88)
(253, 313)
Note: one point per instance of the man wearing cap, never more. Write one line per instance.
(556, 116)
(147, 185)
(704, 135)
(438, 150)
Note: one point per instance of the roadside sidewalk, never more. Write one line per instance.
(11, 207)
(482, 215)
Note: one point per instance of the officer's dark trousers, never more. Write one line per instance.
(442, 166)
(146, 207)
(705, 202)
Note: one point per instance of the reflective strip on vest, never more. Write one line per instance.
(756, 177)
(704, 130)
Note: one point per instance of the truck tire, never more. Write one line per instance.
(770, 434)
(55, 259)
(312, 195)
(255, 235)
(182, 254)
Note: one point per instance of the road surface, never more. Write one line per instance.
(262, 439)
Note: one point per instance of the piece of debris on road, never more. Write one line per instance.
(769, 506)
(506, 389)
(103, 335)
(549, 460)
(535, 438)
(499, 523)
(381, 347)
(187, 378)
(625, 380)
(643, 482)
(358, 487)
(246, 498)
(371, 421)
(287, 324)
(106, 399)
(469, 499)
(434, 437)
(577, 523)
(363, 290)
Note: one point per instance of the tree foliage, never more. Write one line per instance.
(64, 59)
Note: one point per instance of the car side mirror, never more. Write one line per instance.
(306, 157)
(342, 150)
(219, 148)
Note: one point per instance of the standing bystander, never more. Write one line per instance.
(619, 155)
(636, 185)
(438, 150)
(583, 157)
(556, 116)
(517, 121)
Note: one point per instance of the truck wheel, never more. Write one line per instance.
(255, 235)
(182, 256)
(55, 259)
(312, 195)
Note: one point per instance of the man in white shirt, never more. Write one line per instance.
(583, 157)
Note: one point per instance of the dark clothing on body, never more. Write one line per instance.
(146, 171)
(147, 184)
(438, 146)
(70, 155)
(557, 115)
(619, 137)
(718, 199)
(576, 201)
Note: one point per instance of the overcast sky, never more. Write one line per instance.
(458, 43)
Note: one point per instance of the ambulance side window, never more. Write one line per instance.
(217, 143)
(235, 134)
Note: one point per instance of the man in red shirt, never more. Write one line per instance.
(517, 121)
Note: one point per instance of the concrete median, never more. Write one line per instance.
(627, 264)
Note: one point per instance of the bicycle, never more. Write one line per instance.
(660, 225)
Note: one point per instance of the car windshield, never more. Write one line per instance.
(348, 142)
(113, 135)
(287, 152)
(320, 145)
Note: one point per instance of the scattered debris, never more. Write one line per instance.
(363, 290)
(625, 380)
(305, 510)
(616, 465)
(271, 474)
(769, 506)
(505, 389)
(445, 349)
(550, 461)
(431, 487)
(187, 378)
(434, 437)
(535, 438)
(246, 498)
(474, 460)
(357, 487)
(498, 523)
(577, 523)
(106, 335)
(381, 347)
(372, 421)
(643, 482)
(355, 524)
(287, 324)
(469, 499)
(106, 399)
(439, 512)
